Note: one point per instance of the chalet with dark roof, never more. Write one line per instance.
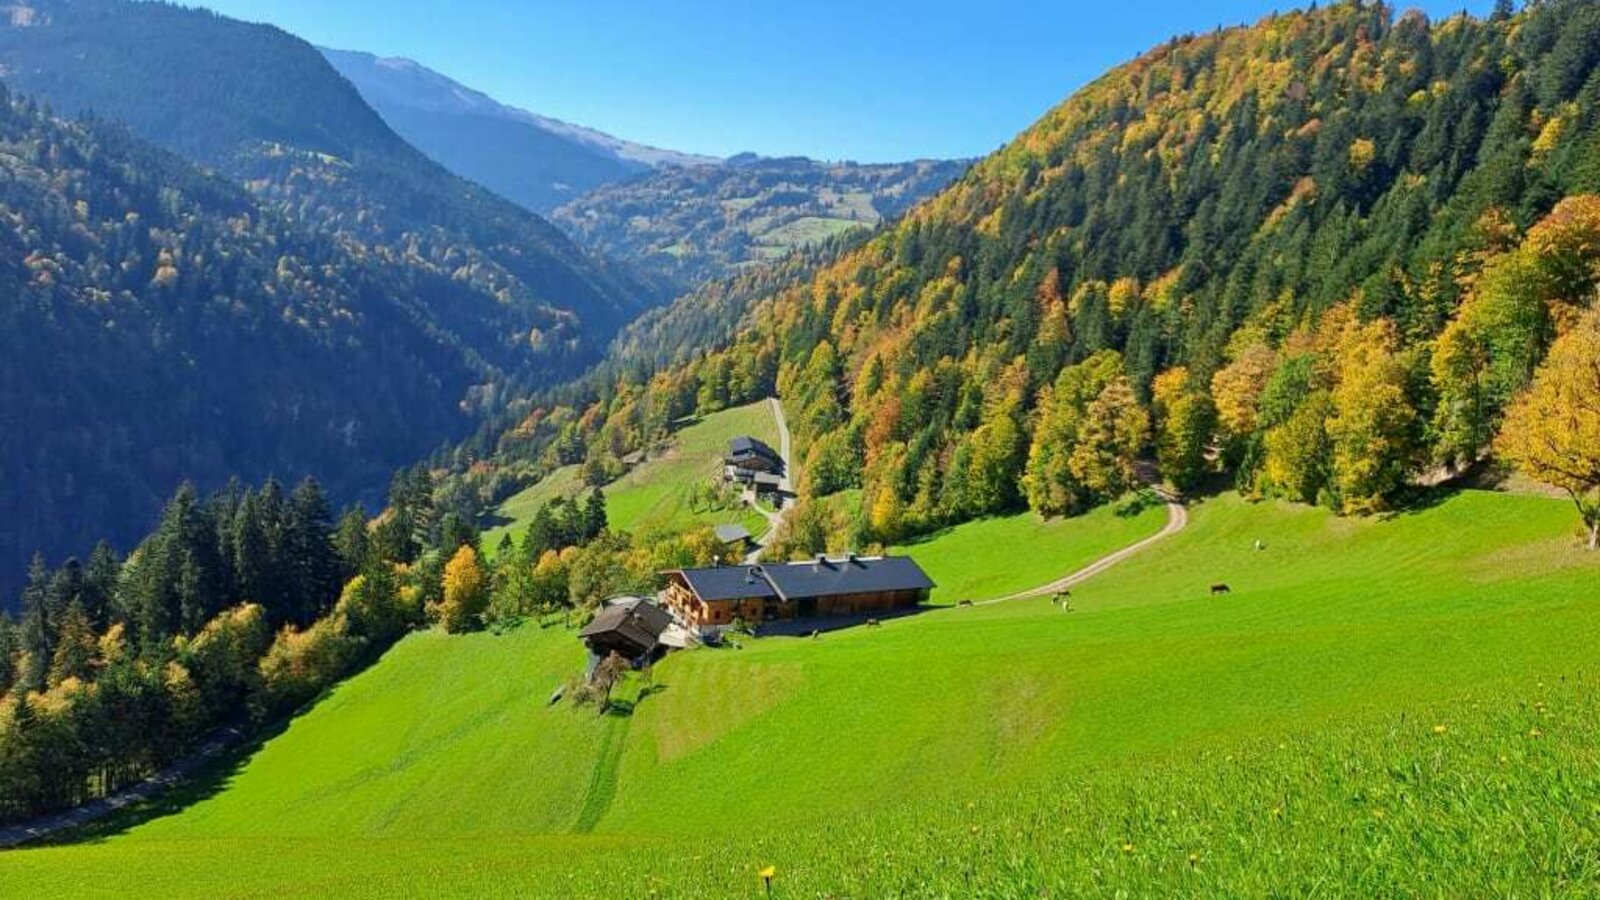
(747, 454)
(631, 627)
(714, 597)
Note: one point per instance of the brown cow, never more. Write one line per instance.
(1220, 588)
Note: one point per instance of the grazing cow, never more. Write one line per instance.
(965, 603)
(1220, 589)
(873, 623)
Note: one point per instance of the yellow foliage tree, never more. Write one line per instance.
(1372, 418)
(466, 591)
(1236, 392)
(1552, 432)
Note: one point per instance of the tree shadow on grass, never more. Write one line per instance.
(208, 778)
(205, 781)
(619, 708)
(1487, 475)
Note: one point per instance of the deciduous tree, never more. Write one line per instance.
(1552, 432)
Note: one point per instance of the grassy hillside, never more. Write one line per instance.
(960, 560)
(654, 495)
(1284, 734)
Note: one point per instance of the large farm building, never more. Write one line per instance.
(853, 585)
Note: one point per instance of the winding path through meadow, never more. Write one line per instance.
(1177, 520)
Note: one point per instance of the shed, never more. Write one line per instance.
(732, 534)
(630, 627)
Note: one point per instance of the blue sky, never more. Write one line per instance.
(836, 79)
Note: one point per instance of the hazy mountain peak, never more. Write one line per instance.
(535, 160)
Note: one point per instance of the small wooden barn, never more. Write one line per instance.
(630, 627)
(714, 597)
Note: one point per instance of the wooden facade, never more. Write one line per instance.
(760, 599)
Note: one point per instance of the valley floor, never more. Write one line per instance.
(1404, 705)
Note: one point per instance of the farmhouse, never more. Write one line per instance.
(714, 597)
(748, 455)
(632, 627)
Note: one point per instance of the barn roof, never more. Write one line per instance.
(731, 533)
(814, 578)
(744, 444)
(639, 622)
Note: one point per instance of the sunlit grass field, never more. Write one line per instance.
(1037, 551)
(654, 495)
(1402, 706)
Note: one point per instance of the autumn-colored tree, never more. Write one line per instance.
(1185, 420)
(1236, 393)
(1115, 429)
(1051, 485)
(1371, 428)
(466, 592)
(1297, 452)
(1552, 431)
(1519, 303)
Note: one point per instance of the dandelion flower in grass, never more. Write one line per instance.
(1440, 729)
(1534, 732)
(1127, 847)
(768, 873)
(1194, 859)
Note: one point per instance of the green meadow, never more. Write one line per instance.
(1403, 705)
(654, 495)
(961, 560)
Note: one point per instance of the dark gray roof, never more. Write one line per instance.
(768, 478)
(639, 622)
(730, 533)
(745, 444)
(790, 581)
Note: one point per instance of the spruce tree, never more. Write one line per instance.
(309, 562)
(38, 641)
(352, 542)
(76, 646)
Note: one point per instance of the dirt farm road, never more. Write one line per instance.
(1177, 520)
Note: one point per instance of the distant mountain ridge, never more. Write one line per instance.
(534, 160)
(308, 293)
(687, 217)
(701, 223)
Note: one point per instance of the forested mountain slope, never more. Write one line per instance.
(1322, 247)
(266, 109)
(703, 222)
(336, 306)
(534, 160)
(157, 324)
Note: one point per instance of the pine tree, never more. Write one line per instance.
(76, 646)
(37, 639)
(252, 555)
(594, 515)
(100, 580)
(309, 561)
(352, 542)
